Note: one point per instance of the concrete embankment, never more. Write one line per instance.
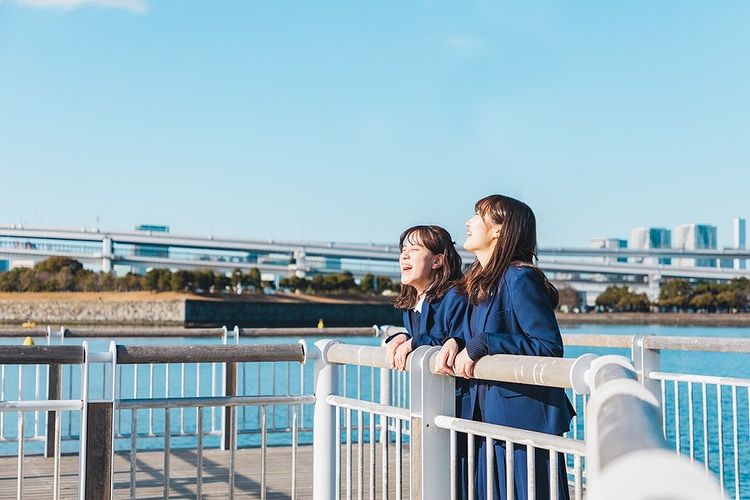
(152, 309)
(173, 309)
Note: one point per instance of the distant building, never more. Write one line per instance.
(695, 237)
(644, 238)
(738, 239)
(609, 243)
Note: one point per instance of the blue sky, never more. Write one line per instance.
(350, 121)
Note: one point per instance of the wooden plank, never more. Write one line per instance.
(150, 474)
(128, 354)
(41, 355)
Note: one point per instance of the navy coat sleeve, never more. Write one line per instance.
(539, 333)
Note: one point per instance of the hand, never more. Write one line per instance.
(391, 346)
(464, 365)
(401, 355)
(446, 357)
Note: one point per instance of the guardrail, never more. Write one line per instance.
(624, 431)
(703, 417)
(96, 438)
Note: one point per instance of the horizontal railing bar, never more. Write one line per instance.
(41, 355)
(700, 379)
(209, 401)
(368, 406)
(367, 331)
(129, 355)
(597, 340)
(518, 436)
(533, 370)
(41, 405)
(536, 370)
(709, 344)
(157, 332)
(360, 355)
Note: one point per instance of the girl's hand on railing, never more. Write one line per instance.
(464, 365)
(446, 357)
(391, 346)
(401, 355)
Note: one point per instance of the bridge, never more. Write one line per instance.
(589, 270)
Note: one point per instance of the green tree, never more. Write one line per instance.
(569, 299)
(56, 264)
(675, 294)
(367, 283)
(728, 300)
(703, 301)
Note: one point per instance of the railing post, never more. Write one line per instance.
(384, 396)
(54, 384)
(99, 421)
(229, 383)
(646, 361)
(325, 434)
(230, 389)
(431, 395)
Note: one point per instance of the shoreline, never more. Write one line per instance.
(169, 309)
(667, 319)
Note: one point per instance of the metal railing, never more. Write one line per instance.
(705, 418)
(615, 436)
(96, 439)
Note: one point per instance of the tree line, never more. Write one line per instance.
(339, 283)
(680, 295)
(62, 274)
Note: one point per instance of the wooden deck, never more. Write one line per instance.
(183, 476)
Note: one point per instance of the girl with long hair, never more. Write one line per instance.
(432, 310)
(511, 311)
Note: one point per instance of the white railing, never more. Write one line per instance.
(614, 437)
(705, 418)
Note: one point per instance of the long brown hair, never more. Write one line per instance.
(438, 241)
(516, 246)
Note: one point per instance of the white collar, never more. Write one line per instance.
(418, 306)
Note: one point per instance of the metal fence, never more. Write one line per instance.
(625, 432)
(704, 418)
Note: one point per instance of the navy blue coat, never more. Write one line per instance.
(517, 318)
(438, 320)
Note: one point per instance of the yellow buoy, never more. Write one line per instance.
(28, 324)
(321, 324)
(28, 341)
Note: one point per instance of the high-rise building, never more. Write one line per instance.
(651, 237)
(738, 239)
(609, 243)
(695, 237)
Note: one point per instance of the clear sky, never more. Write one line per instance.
(349, 121)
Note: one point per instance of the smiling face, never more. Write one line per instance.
(481, 235)
(417, 264)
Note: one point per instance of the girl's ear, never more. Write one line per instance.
(438, 261)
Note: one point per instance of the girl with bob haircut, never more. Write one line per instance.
(511, 311)
(432, 310)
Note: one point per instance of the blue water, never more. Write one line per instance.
(283, 378)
